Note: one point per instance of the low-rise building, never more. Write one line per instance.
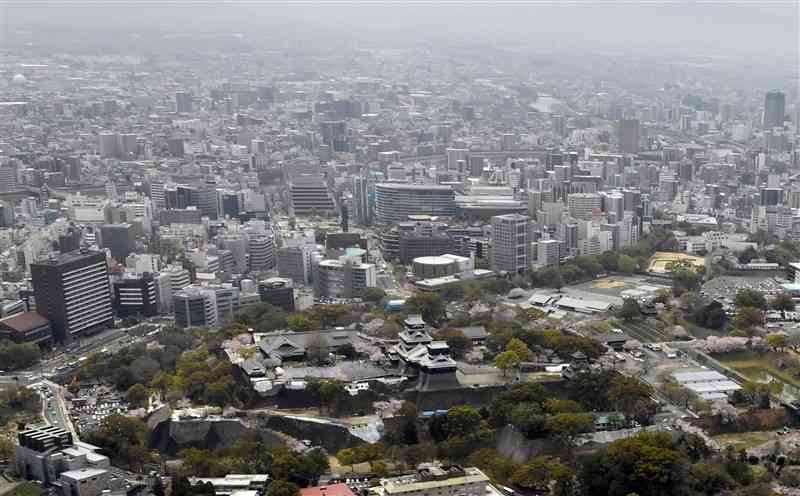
(28, 327)
(436, 480)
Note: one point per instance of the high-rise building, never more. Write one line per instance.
(73, 293)
(278, 292)
(395, 202)
(183, 102)
(262, 253)
(343, 278)
(136, 296)
(120, 239)
(511, 243)
(559, 125)
(294, 262)
(548, 252)
(237, 245)
(628, 137)
(108, 145)
(334, 134)
(310, 196)
(771, 196)
(363, 200)
(584, 206)
(8, 178)
(195, 307)
(774, 109)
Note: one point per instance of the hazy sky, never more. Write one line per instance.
(734, 27)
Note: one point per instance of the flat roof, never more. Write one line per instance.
(402, 485)
(421, 187)
(24, 322)
(83, 473)
(701, 376)
(713, 387)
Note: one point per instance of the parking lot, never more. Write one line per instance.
(724, 288)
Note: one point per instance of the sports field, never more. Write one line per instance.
(662, 259)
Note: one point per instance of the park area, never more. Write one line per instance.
(767, 367)
(660, 261)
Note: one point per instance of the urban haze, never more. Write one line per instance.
(385, 248)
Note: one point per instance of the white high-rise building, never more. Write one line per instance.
(511, 243)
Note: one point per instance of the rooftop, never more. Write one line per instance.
(24, 322)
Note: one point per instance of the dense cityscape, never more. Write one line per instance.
(299, 261)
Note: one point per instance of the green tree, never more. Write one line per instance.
(630, 310)
(684, 278)
(783, 303)
(539, 472)
(750, 298)
(463, 421)
(609, 260)
(458, 343)
(429, 305)
(566, 427)
(6, 449)
(282, 488)
(748, 317)
(520, 349)
(374, 295)
(328, 392)
(632, 397)
(123, 439)
(647, 464)
(776, 341)
(15, 356)
(710, 478)
(506, 361)
(626, 264)
(549, 277)
(318, 350)
(299, 322)
(747, 255)
(137, 395)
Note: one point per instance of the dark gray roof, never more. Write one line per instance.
(285, 344)
(474, 332)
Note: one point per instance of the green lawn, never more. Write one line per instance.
(26, 489)
(745, 440)
(753, 364)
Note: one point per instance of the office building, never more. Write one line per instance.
(334, 134)
(395, 202)
(183, 102)
(363, 201)
(584, 206)
(136, 296)
(195, 306)
(548, 252)
(343, 278)
(227, 298)
(119, 239)
(72, 291)
(26, 327)
(774, 109)
(436, 479)
(8, 178)
(262, 253)
(628, 137)
(294, 262)
(511, 243)
(278, 292)
(310, 197)
(107, 144)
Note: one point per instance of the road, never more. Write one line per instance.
(110, 340)
(54, 406)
